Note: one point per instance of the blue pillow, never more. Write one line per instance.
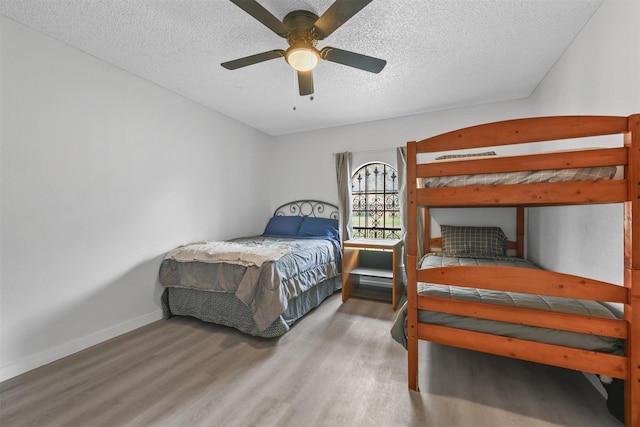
(283, 225)
(320, 227)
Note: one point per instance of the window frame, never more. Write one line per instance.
(379, 205)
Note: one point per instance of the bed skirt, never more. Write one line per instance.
(225, 309)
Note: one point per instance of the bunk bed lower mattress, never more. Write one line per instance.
(531, 333)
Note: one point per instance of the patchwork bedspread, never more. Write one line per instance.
(267, 288)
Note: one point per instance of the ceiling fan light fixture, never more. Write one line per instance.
(303, 29)
(302, 58)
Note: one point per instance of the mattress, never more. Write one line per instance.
(513, 299)
(523, 177)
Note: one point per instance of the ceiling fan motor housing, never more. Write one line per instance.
(300, 25)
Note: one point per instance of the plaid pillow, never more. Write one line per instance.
(462, 156)
(473, 241)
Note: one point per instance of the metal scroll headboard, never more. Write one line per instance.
(313, 208)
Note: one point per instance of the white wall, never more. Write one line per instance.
(598, 74)
(102, 173)
(304, 162)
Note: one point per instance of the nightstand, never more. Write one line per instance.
(376, 260)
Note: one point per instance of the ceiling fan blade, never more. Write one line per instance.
(255, 9)
(352, 59)
(337, 14)
(253, 59)
(305, 82)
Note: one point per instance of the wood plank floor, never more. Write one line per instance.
(338, 366)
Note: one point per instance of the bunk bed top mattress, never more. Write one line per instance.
(523, 177)
(513, 299)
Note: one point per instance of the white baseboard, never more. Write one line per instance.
(31, 362)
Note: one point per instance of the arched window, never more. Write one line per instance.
(376, 209)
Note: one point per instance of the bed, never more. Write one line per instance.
(260, 285)
(475, 296)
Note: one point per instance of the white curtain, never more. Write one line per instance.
(343, 175)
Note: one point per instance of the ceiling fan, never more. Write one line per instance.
(302, 30)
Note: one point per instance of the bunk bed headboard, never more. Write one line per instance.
(519, 131)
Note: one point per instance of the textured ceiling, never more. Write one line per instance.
(440, 53)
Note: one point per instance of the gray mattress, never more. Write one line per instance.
(264, 292)
(524, 177)
(531, 333)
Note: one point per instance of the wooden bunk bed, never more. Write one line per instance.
(626, 190)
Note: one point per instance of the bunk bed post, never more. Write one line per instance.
(412, 249)
(632, 272)
(520, 232)
(426, 232)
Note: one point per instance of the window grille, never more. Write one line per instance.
(376, 208)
